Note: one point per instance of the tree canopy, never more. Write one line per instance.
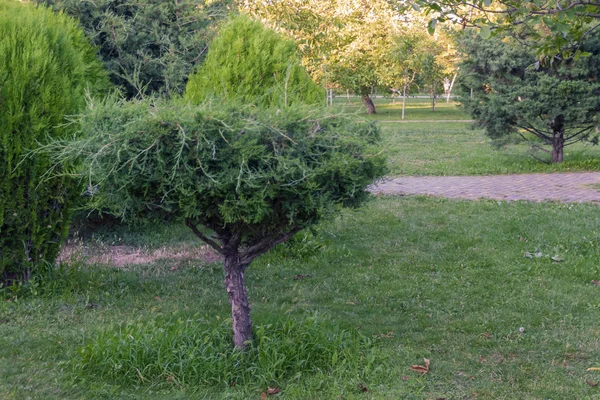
(346, 45)
(556, 28)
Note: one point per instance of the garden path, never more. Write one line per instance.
(571, 187)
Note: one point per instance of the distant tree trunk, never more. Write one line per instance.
(403, 100)
(368, 104)
(240, 307)
(434, 101)
(450, 90)
(558, 139)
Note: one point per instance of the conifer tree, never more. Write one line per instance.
(556, 104)
(249, 63)
(46, 67)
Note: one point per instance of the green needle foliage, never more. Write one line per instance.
(512, 93)
(250, 63)
(46, 66)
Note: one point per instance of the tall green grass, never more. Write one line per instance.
(187, 350)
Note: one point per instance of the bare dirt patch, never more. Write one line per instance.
(120, 256)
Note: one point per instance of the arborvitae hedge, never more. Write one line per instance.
(46, 65)
(250, 63)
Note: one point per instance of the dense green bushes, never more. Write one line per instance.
(148, 46)
(46, 66)
(252, 64)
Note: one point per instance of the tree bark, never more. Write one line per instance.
(403, 100)
(434, 102)
(450, 90)
(368, 104)
(558, 139)
(240, 307)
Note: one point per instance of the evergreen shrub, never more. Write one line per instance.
(46, 67)
(249, 63)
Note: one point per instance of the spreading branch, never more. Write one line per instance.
(203, 237)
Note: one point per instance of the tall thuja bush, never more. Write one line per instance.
(250, 63)
(148, 46)
(46, 66)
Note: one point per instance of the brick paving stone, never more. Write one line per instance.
(570, 187)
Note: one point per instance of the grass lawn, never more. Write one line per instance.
(451, 281)
(400, 280)
(455, 148)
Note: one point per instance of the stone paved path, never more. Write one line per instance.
(572, 187)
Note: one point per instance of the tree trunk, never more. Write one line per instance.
(450, 90)
(403, 100)
(240, 307)
(368, 104)
(13, 278)
(558, 139)
(434, 102)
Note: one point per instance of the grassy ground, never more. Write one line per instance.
(455, 148)
(450, 281)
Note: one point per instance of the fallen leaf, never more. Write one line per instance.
(593, 369)
(405, 378)
(173, 268)
(558, 258)
(363, 388)
(263, 396)
(302, 276)
(593, 384)
(597, 283)
(421, 369)
(482, 359)
(157, 298)
(271, 391)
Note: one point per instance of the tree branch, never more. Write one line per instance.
(266, 244)
(204, 238)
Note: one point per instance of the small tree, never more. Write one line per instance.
(250, 63)
(46, 65)
(557, 104)
(243, 180)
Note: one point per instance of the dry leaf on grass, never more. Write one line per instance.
(157, 298)
(363, 388)
(593, 384)
(263, 396)
(420, 368)
(593, 369)
(302, 276)
(271, 390)
(597, 283)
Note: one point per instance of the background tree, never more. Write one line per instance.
(243, 179)
(250, 63)
(148, 46)
(344, 44)
(46, 66)
(557, 104)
